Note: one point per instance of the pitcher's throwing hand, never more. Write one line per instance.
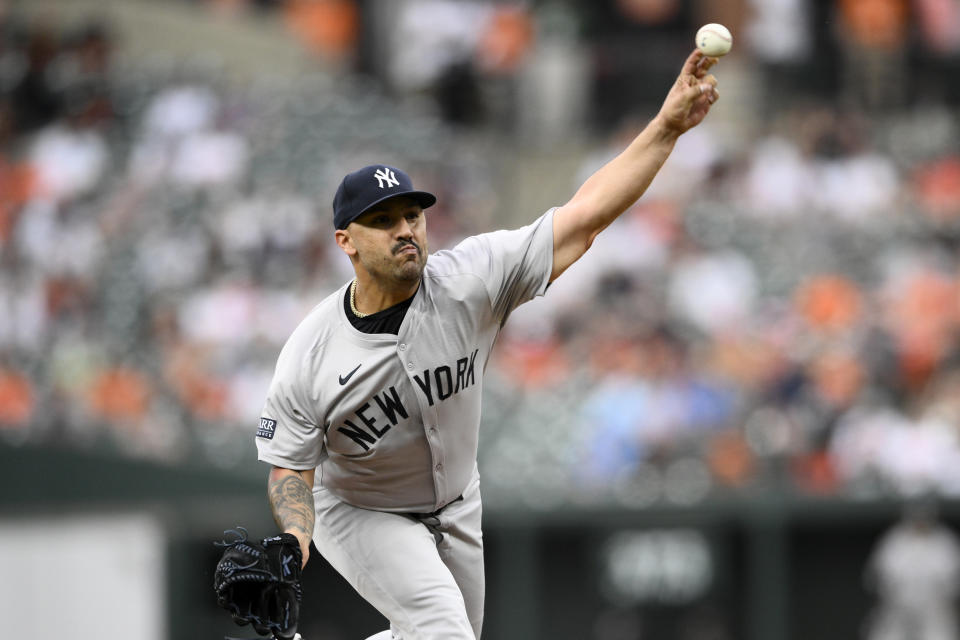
(692, 94)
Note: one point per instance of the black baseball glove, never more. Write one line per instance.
(259, 583)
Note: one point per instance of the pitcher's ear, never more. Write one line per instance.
(345, 241)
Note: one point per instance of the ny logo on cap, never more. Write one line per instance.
(387, 176)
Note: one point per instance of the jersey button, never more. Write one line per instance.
(403, 347)
(439, 466)
(433, 431)
(410, 366)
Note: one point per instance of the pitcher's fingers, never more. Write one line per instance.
(690, 64)
(696, 92)
(708, 92)
(703, 65)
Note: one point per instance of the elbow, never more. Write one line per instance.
(588, 241)
(279, 473)
(587, 236)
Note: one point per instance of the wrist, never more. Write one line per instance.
(302, 536)
(663, 131)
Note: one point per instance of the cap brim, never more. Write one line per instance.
(424, 198)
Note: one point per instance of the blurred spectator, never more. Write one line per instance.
(874, 37)
(27, 303)
(466, 55)
(329, 27)
(778, 31)
(69, 159)
(457, 92)
(730, 458)
(714, 292)
(939, 21)
(209, 158)
(937, 187)
(17, 184)
(830, 303)
(505, 42)
(430, 36)
(778, 179)
(899, 454)
(120, 395)
(919, 300)
(17, 399)
(647, 404)
(83, 73)
(35, 100)
(649, 11)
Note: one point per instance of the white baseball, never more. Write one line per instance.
(714, 39)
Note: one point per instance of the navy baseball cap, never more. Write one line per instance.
(361, 190)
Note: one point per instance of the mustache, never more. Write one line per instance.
(397, 248)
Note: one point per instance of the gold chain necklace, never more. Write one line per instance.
(353, 300)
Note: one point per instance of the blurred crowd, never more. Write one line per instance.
(780, 313)
(161, 233)
(785, 315)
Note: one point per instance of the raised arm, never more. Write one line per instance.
(291, 500)
(619, 183)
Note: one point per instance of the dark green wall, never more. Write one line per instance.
(786, 568)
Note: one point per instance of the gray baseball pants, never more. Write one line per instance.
(427, 589)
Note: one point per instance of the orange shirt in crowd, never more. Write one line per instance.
(880, 24)
(17, 182)
(16, 399)
(829, 302)
(120, 394)
(937, 188)
(506, 40)
(329, 27)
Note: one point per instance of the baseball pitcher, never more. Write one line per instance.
(371, 421)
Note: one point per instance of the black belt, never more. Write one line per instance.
(431, 520)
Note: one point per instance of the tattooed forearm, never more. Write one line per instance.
(291, 500)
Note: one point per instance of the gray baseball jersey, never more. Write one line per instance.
(392, 421)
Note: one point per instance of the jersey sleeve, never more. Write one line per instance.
(288, 435)
(514, 265)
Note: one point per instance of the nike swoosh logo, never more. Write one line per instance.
(345, 379)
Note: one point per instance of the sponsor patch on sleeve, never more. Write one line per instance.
(267, 428)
